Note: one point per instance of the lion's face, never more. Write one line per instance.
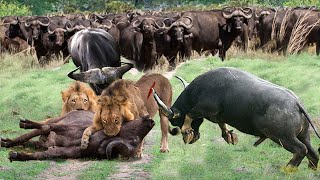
(78, 97)
(78, 101)
(113, 111)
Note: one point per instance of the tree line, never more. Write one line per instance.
(42, 7)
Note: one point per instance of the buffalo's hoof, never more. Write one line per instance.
(6, 143)
(230, 137)
(13, 155)
(188, 135)
(24, 123)
(289, 169)
(195, 137)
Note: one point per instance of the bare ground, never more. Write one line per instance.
(66, 171)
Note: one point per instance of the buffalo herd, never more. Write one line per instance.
(144, 37)
(95, 42)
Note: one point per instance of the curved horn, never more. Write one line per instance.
(44, 24)
(27, 24)
(123, 69)
(247, 12)
(134, 24)
(49, 31)
(184, 82)
(189, 25)
(105, 25)
(163, 108)
(119, 147)
(104, 75)
(159, 27)
(226, 14)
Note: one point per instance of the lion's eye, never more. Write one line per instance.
(73, 101)
(104, 120)
(116, 120)
(85, 100)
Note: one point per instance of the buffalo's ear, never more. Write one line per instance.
(229, 26)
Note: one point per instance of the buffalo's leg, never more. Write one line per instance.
(259, 141)
(296, 147)
(21, 139)
(312, 155)
(57, 152)
(228, 135)
(318, 48)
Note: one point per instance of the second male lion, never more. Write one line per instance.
(78, 97)
(124, 101)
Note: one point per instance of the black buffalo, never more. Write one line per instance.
(95, 51)
(248, 103)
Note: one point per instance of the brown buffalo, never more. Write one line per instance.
(124, 101)
(69, 129)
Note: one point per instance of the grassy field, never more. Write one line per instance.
(35, 93)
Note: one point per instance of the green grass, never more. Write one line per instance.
(35, 93)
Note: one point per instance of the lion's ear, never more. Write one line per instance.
(120, 100)
(127, 114)
(65, 95)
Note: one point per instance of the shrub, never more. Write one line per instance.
(118, 7)
(10, 9)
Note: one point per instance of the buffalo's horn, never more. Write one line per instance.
(69, 27)
(134, 24)
(27, 24)
(187, 26)
(49, 31)
(104, 75)
(226, 14)
(123, 69)
(105, 25)
(163, 108)
(44, 24)
(120, 147)
(247, 12)
(184, 82)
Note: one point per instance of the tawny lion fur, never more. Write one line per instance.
(78, 97)
(126, 100)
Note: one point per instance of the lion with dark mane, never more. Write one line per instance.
(125, 101)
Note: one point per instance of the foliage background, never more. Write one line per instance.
(42, 7)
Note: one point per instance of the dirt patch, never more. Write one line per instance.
(68, 170)
(131, 169)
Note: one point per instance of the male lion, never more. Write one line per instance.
(78, 97)
(124, 101)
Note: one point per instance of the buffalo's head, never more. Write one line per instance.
(57, 35)
(147, 26)
(179, 27)
(37, 25)
(235, 17)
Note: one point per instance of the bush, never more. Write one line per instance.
(9, 9)
(118, 7)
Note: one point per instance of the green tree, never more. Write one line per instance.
(10, 9)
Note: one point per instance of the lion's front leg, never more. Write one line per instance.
(87, 133)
